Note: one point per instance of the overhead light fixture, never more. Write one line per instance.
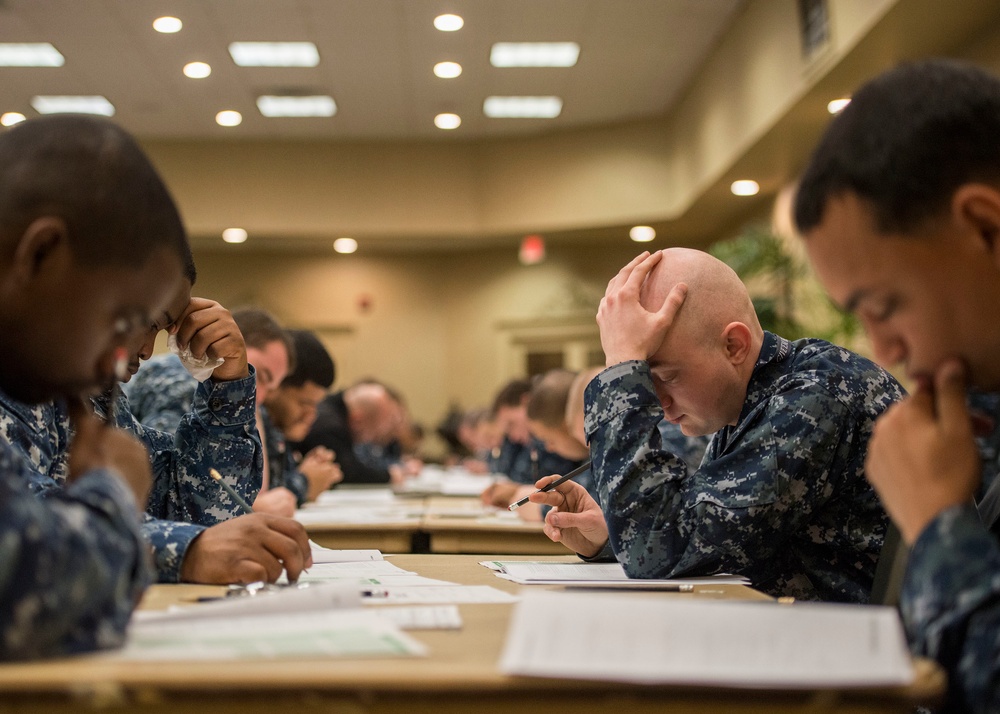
(447, 121)
(77, 105)
(345, 245)
(197, 70)
(228, 117)
(234, 235)
(317, 106)
(745, 187)
(837, 105)
(522, 107)
(167, 25)
(11, 118)
(274, 54)
(534, 54)
(30, 54)
(447, 70)
(642, 234)
(448, 23)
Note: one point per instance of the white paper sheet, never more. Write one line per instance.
(679, 640)
(454, 594)
(424, 617)
(526, 572)
(331, 555)
(335, 633)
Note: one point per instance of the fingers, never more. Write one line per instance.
(675, 298)
(622, 276)
(287, 542)
(639, 273)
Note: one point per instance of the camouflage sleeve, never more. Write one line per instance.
(951, 606)
(296, 482)
(735, 513)
(74, 564)
(219, 432)
(170, 541)
(165, 391)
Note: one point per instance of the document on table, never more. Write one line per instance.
(526, 572)
(381, 496)
(324, 572)
(424, 617)
(685, 641)
(452, 594)
(330, 555)
(332, 633)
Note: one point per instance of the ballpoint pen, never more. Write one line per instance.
(545, 489)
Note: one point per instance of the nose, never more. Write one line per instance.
(146, 346)
(888, 348)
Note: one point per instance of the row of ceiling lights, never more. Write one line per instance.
(305, 54)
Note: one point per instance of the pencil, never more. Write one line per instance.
(545, 489)
(230, 490)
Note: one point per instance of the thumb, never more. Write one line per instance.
(950, 399)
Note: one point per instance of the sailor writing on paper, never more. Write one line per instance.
(781, 495)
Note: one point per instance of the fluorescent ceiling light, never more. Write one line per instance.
(167, 25)
(447, 70)
(448, 23)
(522, 107)
(197, 70)
(11, 118)
(745, 187)
(345, 245)
(77, 105)
(318, 106)
(274, 54)
(30, 54)
(234, 235)
(534, 54)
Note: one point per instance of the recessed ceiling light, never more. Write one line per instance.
(30, 54)
(837, 105)
(447, 121)
(274, 54)
(228, 117)
(234, 235)
(642, 234)
(522, 107)
(77, 105)
(167, 25)
(745, 187)
(197, 70)
(448, 23)
(11, 118)
(318, 106)
(345, 245)
(447, 70)
(534, 54)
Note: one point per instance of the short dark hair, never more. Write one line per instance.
(89, 172)
(908, 139)
(511, 394)
(312, 362)
(547, 403)
(259, 329)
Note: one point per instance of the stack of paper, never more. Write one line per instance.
(686, 641)
(605, 575)
(435, 480)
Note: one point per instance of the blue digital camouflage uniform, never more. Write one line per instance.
(184, 499)
(283, 470)
(691, 449)
(74, 564)
(161, 392)
(515, 462)
(780, 497)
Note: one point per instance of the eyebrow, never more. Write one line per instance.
(854, 298)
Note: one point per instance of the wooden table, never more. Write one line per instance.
(458, 677)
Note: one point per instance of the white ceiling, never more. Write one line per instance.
(376, 61)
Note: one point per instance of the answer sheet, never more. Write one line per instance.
(676, 640)
(528, 572)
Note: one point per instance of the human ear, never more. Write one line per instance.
(37, 246)
(977, 207)
(737, 338)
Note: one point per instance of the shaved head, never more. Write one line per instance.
(716, 296)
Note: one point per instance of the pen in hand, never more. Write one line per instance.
(230, 490)
(545, 489)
